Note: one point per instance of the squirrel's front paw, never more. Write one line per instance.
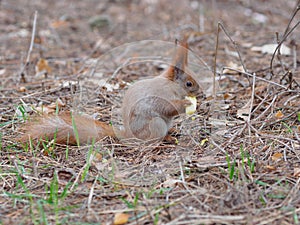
(186, 103)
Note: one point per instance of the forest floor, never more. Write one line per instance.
(237, 159)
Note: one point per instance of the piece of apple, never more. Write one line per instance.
(192, 108)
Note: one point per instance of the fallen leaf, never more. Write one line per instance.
(105, 84)
(42, 67)
(69, 83)
(121, 218)
(203, 141)
(296, 172)
(59, 23)
(228, 96)
(243, 112)
(58, 103)
(265, 148)
(270, 49)
(22, 89)
(270, 168)
(170, 183)
(279, 115)
(232, 67)
(259, 17)
(276, 156)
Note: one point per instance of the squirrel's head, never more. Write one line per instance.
(179, 72)
(186, 81)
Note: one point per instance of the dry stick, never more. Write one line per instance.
(292, 194)
(258, 78)
(286, 34)
(279, 53)
(155, 211)
(185, 184)
(215, 65)
(251, 106)
(92, 192)
(31, 43)
(234, 44)
(201, 18)
(274, 216)
(294, 58)
(261, 102)
(297, 7)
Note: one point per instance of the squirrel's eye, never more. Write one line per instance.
(189, 84)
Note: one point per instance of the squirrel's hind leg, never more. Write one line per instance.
(158, 128)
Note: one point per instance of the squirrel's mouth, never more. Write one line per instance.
(195, 93)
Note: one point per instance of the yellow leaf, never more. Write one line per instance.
(121, 218)
(279, 115)
(276, 156)
(42, 66)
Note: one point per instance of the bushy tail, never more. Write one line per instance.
(66, 128)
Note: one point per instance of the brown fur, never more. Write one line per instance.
(62, 128)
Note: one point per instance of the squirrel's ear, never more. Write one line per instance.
(180, 59)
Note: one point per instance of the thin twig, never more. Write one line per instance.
(215, 64)
(258, 78)
(220, 24)
(31, 43)
(286, 34)
(252, 98)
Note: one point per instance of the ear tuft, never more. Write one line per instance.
(180, 59)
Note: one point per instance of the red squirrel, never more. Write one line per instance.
(147, 111)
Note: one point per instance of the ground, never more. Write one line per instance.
(237, 159)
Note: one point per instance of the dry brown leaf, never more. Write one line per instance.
(270, 49)
(279, 115)
(234, 66)
(228, 96)
(276, 156)
(296, 172)
(244, 111)
(22, 89)
(170, 183)
(42, 66)
(270, 168)
(59, 23)
(121, 218)
(265, 148)
(58, 103)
